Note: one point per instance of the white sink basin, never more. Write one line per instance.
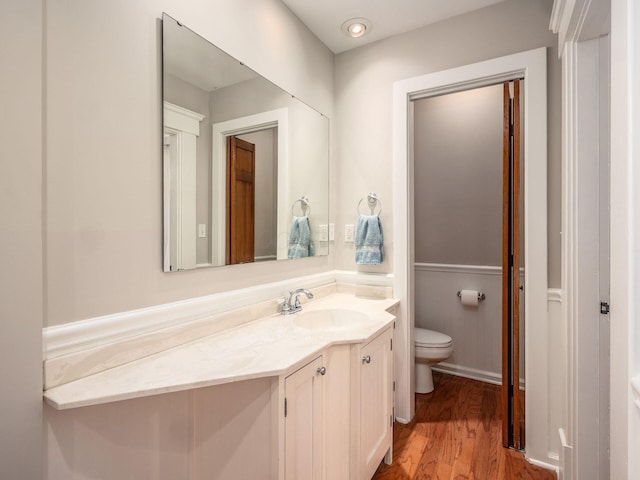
(330, 319)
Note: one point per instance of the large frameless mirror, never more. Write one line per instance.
(245, 164)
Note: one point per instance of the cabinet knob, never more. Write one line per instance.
(366, 359)
(321, 370)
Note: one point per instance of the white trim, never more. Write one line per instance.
(635, 391)
(473, 373)
(554, 295)
(579, 20)
(625, 233)
(265, 258)
(183, 119)
(237, 126)
(364, 278)
(557, 13)
(545, 465)
(76, 336)
(184, 124)
(450, 268)
(581, 276)
(99, 331)
(531, 65)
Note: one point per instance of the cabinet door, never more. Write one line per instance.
(304, 436)
(376, 421)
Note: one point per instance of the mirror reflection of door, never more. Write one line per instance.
(241, 163)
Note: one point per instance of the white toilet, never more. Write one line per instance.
(431, 348)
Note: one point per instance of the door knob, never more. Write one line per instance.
(321, 370)
(366, 359)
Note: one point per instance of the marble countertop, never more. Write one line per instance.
(269, 346)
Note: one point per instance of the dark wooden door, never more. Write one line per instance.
(240, 200)
(512, 405)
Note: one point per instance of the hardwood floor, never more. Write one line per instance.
(456, 435)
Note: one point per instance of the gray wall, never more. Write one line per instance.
(364, 104)
(21, 236)
(104, 169)
(458, 178)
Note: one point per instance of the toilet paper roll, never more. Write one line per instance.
(469, 298)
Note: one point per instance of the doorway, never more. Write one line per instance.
(241, 199)
(270, 127)
(468, 224)
(530, 65)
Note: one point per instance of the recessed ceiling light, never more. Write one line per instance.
(356, 27)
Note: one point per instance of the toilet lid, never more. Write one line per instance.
(429, 338)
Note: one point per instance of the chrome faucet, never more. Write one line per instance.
(292, 304)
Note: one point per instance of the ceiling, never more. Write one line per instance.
(388, 17)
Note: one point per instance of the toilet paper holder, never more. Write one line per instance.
(481, 295)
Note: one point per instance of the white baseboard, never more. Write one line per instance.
(473, 373)
(545, 465)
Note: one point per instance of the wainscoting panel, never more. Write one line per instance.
(476, 331)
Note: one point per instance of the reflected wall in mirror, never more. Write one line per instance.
(245, 164)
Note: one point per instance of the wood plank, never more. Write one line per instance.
(459, 413)
(515, 320)
(240, 201)
(506, 198)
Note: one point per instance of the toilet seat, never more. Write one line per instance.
(429, 338)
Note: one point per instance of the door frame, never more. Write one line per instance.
(185, 125)
(579, 24)
(252, 123)
(532, 65)
(584, 443)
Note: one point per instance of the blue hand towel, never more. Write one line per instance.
(369, 244)
(300, 245)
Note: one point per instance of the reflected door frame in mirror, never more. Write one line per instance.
(179, 177)
(278, 118)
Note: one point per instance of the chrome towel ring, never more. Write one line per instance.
(305, 206)
(373, 201)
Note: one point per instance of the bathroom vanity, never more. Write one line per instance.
(338, 413)
(302, 396)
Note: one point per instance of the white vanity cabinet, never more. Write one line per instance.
(372, 405)
(338, 422)
(222, 398)
(303, 419)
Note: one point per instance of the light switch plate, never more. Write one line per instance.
(202, 230)
(324, 233)
(332, 232)
(348, 233)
